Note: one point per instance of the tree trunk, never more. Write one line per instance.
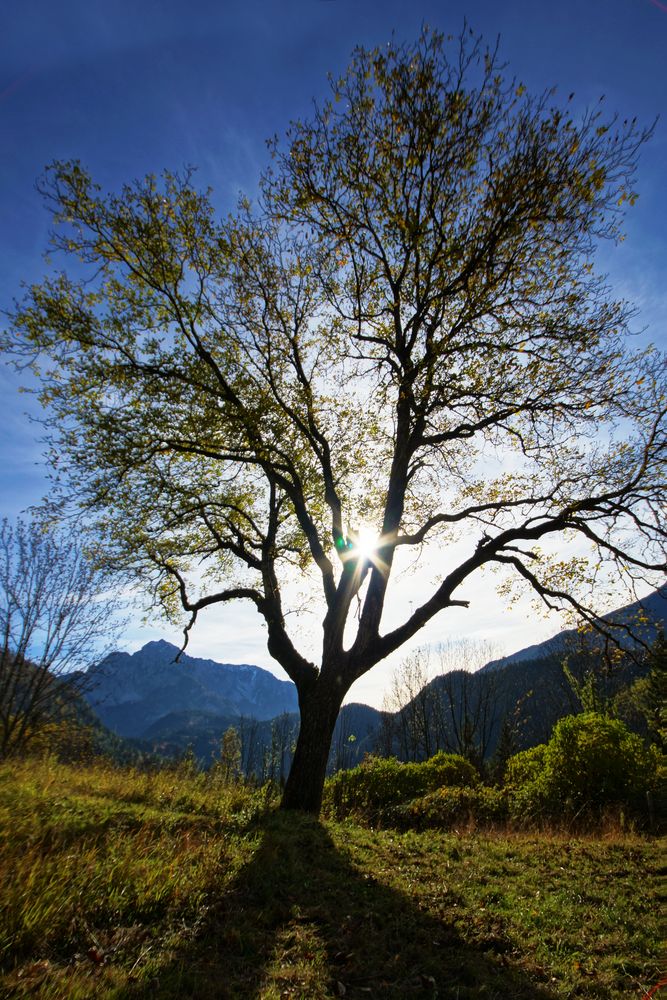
(319, 707)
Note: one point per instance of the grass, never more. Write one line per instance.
(126, 885)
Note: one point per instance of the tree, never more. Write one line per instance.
(229, 762)
(278, 753)
(456, 710)
(506, 748)
(408, 709)
(53, 616)
(644, 703)
(249, 737)
(465, 703)
(403, 344)
(343, 749)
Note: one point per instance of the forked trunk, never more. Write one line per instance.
(319, 708)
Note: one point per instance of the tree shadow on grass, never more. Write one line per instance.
(301, 920)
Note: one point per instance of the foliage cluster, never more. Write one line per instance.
(381, 782)
(591, 766)
(644, 704)
(449, 808)
(64, 739)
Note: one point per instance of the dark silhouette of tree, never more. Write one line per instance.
(506, 747)
(53, 616)
(408, 725)
(466, 714)
(343, 755)
(405, 333)
(384, 744)
(439, 702)
(279, 753)
(251, 750)
(466, 704)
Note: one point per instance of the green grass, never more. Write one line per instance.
(126, 885)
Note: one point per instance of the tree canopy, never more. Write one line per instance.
(404, 331)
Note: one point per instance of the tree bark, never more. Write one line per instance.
(319, 706)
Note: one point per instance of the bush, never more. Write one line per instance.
(590, 763)
(449, 807)
(63, 739)
(525, 767)
(448, 769)
(381, 782)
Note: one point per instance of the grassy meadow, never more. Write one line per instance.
(115, 883)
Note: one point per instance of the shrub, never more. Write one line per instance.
(380, 782)
(449, 807)
(64, 739)
(525, 767)
(448, 769)
(590, 763)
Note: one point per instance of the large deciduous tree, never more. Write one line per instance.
(404, 331)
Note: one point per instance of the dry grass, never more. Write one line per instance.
(120, 884)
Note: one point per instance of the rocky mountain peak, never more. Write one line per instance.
(130, 692)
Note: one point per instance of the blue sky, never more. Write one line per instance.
(135, 87)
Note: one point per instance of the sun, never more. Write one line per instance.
(366, 541)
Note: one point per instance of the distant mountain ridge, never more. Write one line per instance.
(132, 692)
(169, 706)
(653, 608)
(525, 693)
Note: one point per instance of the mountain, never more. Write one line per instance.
(518, 699)
(130, 693)
(645, 617)
(168, 707)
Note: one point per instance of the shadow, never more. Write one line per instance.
(303, 917)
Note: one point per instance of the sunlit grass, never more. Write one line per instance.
(116, 883)
(97, 858)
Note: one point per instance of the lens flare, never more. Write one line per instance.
(366, 542)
